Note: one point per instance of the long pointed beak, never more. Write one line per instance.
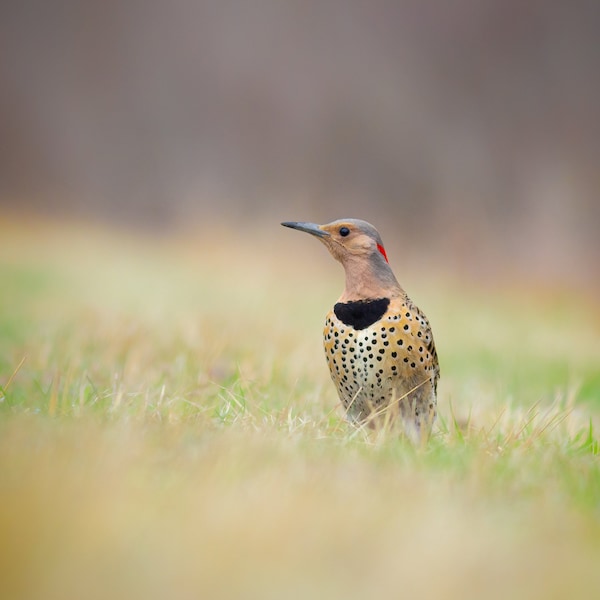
(311, 228)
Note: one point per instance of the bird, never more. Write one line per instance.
(378, 344)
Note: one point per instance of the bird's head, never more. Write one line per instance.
(346, 238)
(358, 246)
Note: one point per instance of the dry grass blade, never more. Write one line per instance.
(4, 389)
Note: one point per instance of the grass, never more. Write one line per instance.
(168, 429)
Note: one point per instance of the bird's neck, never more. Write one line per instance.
(369, 279)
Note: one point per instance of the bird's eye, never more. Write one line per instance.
(344, 231)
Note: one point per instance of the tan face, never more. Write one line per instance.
(347, 239)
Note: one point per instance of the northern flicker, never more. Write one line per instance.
(379, 345)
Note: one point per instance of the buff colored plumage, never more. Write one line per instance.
(378, 344)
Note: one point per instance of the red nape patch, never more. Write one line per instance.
(382, 250)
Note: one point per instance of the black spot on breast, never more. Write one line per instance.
(362, 313)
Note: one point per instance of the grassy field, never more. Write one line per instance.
(168, 430)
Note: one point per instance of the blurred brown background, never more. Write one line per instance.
(472, 126)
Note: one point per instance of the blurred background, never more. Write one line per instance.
(467, 131)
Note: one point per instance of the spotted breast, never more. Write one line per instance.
(381, 355)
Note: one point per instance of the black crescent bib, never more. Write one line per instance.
(360, 314)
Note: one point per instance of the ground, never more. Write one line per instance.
(168, 429)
